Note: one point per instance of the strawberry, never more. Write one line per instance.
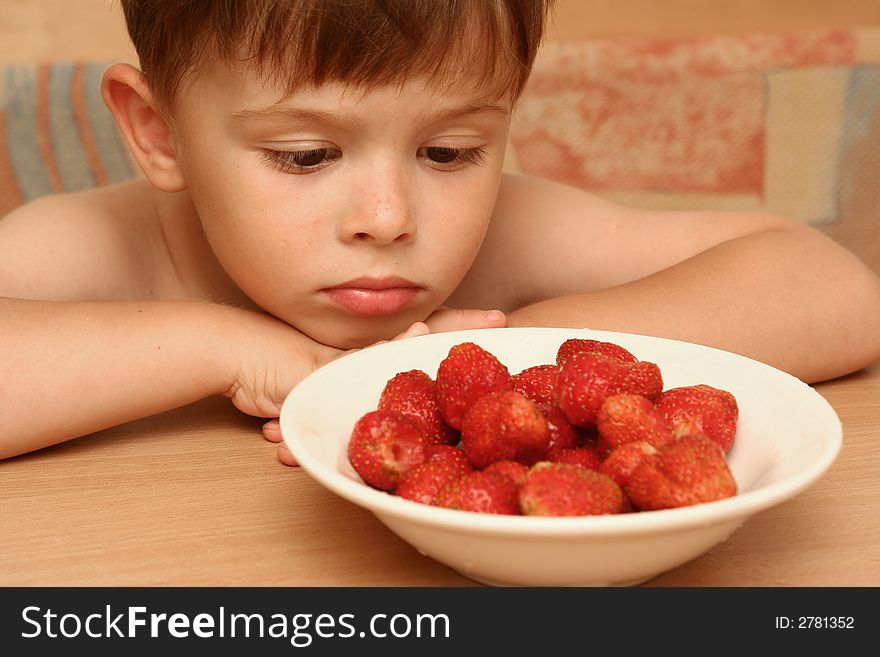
(642, 378)
(586, 380)
(384, 447)
(623, 460)
(536, 383)
(448, 454)
(514, 470)
(482, 492)
(466, 374)
(577, 346)
(582, 457)
(689, 471)
(559, 489)
(562, 432)
(414, 393)
(628, 418)
(504, 425)
(424, 483)
(701, 409)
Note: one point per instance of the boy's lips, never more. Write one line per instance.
(374, 296)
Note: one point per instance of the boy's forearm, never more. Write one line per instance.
(791, 298)
(69, 369)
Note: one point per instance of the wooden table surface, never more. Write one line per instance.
(195, 497)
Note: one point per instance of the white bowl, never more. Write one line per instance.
(787, 436)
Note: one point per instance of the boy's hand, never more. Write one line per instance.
(271, 357)
(453, 319)
(441, 320)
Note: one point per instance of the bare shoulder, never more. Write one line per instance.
(547, 239)
(535, 225)
(100, 244)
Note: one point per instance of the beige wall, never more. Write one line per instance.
(42, 30)
(33, 30)
(588, 18)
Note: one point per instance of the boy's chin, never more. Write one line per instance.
(358, 337)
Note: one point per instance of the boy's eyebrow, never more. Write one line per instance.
(320, 116)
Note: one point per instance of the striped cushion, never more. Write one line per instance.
(56, 135)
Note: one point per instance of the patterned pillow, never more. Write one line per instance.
(787, 123)
(56, 134)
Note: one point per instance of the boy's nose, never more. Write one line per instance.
(380, 211)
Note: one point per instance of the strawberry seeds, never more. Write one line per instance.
(593, 434)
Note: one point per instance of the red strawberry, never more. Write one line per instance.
(467, 373)
(642, 378)
(701, 409)
(448, 454)
(621, 462)
(414, 393)
(425, 483)
(504, 425)
(586, 380)
(582, 457)
(482, 492)
(628, 418)
(689, 471)
(562, 432)
(536, 383)
(514, 470)
(578, 346)
(384, 447)
(559, 489)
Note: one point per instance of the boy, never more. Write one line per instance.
(321, 176)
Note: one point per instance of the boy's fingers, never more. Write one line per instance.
(419, 328)
(285, 456)
(462, 319)
(272, 431)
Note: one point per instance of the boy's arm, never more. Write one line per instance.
(71, 368)
(755, 284)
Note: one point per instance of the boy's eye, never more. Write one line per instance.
(442, 158)
(445, 158)
(302, 161)
(441, 154)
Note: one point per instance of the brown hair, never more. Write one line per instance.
(359, 42)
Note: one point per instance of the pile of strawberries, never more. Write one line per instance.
(593, 434)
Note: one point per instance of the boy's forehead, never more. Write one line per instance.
(468, 63)
(246, 93)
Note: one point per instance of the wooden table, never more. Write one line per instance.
(195, 497)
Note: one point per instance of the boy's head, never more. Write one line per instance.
(343, 156)
(366, 43)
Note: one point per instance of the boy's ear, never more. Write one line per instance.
(149, 137)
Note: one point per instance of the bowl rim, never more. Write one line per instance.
(740, 506)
